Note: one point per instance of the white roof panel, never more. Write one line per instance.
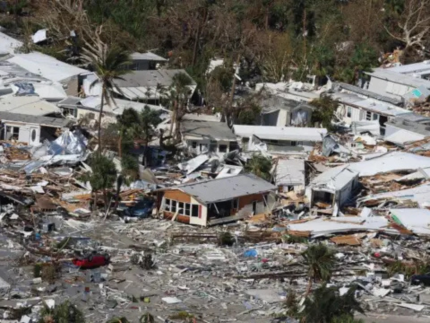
(418, 68)
(46, 66)
(395, 77)
(419, 194)
(290, 172)
(335, 178)
(402, 136)
(280, 133)
(416, 220)
(322, 226)
(29, 105)
(147, 57)
(8, 44)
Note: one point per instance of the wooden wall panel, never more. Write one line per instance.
(177, 196)
(179, 218)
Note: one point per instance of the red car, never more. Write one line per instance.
(92, 261)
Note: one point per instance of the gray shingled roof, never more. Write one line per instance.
(224, 189)
(40, 120)
(367, 93)
(207, 129)
(149, 78)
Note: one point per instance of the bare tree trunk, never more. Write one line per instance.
(304, 32)
(120, 144)
(173, 117)
(309, 288)
(233, 89)
(99, 132)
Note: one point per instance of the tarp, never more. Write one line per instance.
(69, 143)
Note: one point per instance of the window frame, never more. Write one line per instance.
(167, 205)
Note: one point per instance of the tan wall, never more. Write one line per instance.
(177, 196)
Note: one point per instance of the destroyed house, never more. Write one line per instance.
(333, 188)
(290, 175)
(145, 61)
(201, 136)
(400, 81)
(354, 107)
(217, 201)
(141, 85)
(407, 129)
(278, 111)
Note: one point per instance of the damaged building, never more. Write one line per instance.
(217, 201)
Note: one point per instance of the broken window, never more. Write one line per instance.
(173, 206)
(187, 209)
(368, 115)
(203, 147)
(222, 148)
(12, 133)
(194, 144)
(181, 207)
(235, 204)
(348, 112)
(375, 116)
(167, 205)
(195, 210)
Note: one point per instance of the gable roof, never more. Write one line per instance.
(30, 105)
(396, 77)
(226, 188)
(290, 172)
(148, 56)
(46, 66)
(40, 120)
(207, 129)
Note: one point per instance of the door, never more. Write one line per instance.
(254, 207)
(194, 210)
(34, 136)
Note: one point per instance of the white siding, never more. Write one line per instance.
(204, 214)
(283, 118)
(379, 86)
(25, 132)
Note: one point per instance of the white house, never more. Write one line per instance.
(201, 136)
(278, 139)
(30, 129)
(401, 80)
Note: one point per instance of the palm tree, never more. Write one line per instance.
(118, 320)
(127, 123)
(147, 318)
(326, 305)
(64, 312)
(259, 166)
(147, 121)
(109, 64)
(320, 261)
(102, 177)
(178, 96)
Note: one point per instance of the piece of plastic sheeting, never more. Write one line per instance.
(69, 144)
